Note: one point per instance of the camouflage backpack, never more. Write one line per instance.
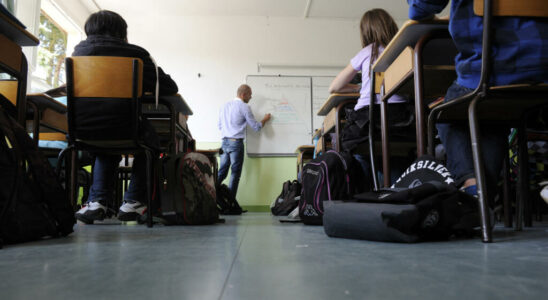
(187, 190)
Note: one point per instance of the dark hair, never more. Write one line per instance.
(106, 22)
(377, 28)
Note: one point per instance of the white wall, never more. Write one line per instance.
(226, 49)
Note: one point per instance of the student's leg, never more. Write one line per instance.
(135, 202)
(456, 140)
(237, 158)
(225, 162)
(363, 160)
(101, 190)
(104, 171)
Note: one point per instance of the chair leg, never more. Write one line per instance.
(523, 178)
(506, 193)
(149, 187)
(74, 177)
(430, 134)
(479, 172)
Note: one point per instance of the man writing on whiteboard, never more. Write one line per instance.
(233, 120)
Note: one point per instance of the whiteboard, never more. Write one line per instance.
(289, 100)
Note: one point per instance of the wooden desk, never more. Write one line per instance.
(49, 116)
(332, 109)
(304, 152)
(12, 59)
(174, 134)
(334, 100)
(415, 64)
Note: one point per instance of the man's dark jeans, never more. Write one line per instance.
(233, 158)
(456, 140)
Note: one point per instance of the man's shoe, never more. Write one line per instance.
(131, 211)
(90, 212)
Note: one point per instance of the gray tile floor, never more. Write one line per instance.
(256, 257)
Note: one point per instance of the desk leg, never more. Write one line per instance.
(384, 141)
(419, 94)
(35, 123)
(21, 103)
(371, 131)
(338, 129)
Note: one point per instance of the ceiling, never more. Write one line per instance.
(330, 9)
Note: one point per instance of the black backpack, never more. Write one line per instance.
(332, 175)
(288, 199)
(431, 211)
(226, 203)
(422, 205)
(33, 205)
(186, 190)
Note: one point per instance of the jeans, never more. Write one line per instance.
(398, 165)
(233, 157)
(104, 171)
(456, 140)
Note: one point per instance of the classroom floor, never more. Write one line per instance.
(256, 257)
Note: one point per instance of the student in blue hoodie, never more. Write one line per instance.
(520, 50)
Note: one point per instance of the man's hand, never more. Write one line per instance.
(266, 118)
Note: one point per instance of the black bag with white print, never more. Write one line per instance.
(422, 205)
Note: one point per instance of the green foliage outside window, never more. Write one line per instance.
(52, 51)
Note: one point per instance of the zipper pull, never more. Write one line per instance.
(165, 184)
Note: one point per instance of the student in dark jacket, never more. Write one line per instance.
(107, 36)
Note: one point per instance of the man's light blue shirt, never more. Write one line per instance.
(234, 117)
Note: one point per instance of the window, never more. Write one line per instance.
(51, 53)
(58, 33)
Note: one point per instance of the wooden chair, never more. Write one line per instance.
(512, 103)
(106, 88)
(14, 63)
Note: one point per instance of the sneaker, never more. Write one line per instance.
(90, 212)
(471, 190)
(131, 211)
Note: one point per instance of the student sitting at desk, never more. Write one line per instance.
(520, 56)
(377, 28)
(107, 36)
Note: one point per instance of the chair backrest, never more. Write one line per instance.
(513, 8)
(502, 8)
(10, 54)
(103, 97)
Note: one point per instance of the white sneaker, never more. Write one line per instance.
(131, 211)
(544, 194)
(90, 212)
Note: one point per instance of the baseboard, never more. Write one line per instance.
(256, 208)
